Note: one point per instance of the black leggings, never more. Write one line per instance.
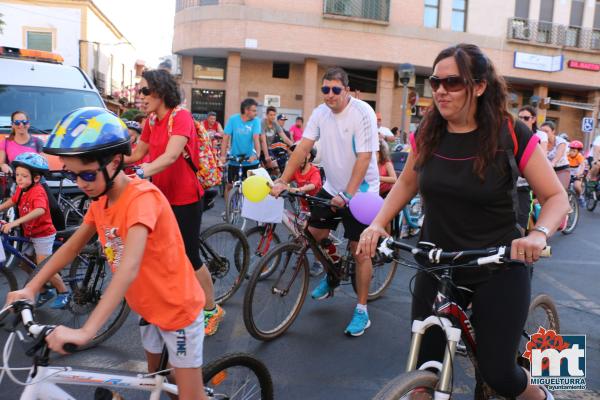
(500, 305)
(189, 219)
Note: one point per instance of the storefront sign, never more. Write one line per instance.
(538, 62)
(583, 65)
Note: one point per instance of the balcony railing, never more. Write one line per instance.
(377, 10)
(553, 34)
(181, 4)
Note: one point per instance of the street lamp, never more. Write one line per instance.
(405, 73)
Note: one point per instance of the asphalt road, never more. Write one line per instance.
(315, 360)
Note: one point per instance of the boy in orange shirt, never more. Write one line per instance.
(577, 166)
(142, 243)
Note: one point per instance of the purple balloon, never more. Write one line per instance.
(364, 206)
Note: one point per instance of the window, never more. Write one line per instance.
(281, 70)
(522, 9)
(363, 80)
(597, 16)
(459, 15)
(574, 30)
(596, 31)
(39, 40)
(545, 26)
(431, 16)
(210, 68)
(378, 10)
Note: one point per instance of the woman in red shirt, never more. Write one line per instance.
(169, 138)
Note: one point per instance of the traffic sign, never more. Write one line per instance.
(587, 124)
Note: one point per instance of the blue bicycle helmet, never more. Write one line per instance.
(134, 125)
(89, 131)
(32, 161)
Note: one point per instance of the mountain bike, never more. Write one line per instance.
(235, 198)
(452, 316)
(408, 223)
(279, 283)
(72, 202)
(573, 216)
(233, 376)
(592, 194)
(87, 277)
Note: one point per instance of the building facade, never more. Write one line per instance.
(82, 35)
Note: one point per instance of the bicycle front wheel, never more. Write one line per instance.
(233, 208)
(224, 250)
(411, 385)
(272, 304)
(381, 277)
(573, 216)
(542, 312)
(238, 376)
(8, 282)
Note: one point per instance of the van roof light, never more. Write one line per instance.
(28, 54)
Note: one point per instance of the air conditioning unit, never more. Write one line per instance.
(272, 100)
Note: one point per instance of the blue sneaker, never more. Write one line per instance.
(322, 291)
(60, 301)
(359, 323)
(45, 297)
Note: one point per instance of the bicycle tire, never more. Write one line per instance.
(254, 313)
(233, 208)
(590, 201)
(8, 282)
(573, 216)
(214, 376)
(382, 277)
(85, 297)
(219, 262)
(590, 204)
(81, 203)
(259, 231)
(401, 386)
(545, 303)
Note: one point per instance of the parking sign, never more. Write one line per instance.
(587, 124)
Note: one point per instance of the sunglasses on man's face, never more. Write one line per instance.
(450, 83)
(335, 89)
(87, 176)
(525, 118)
(145, 91)
(18, 122)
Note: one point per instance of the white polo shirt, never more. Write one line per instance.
(341, 137)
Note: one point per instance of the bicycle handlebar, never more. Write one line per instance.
(318, 201)
(435, 255)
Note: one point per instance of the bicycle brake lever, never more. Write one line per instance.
(39, 342)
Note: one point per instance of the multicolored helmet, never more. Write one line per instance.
(134, 125)
(89, 131)
(32, 161)
(576, 144)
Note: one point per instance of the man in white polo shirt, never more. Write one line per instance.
(348, 141)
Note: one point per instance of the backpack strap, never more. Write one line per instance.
(510, 145)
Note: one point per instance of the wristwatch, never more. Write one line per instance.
(542, 229)
(140, 172)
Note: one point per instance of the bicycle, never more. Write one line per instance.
(87, 277)
(573, 216)
(408, 223)
(233, 376)
(235, 198)
(72, 202)
(279, 283)
(592, 194)
(449, 315)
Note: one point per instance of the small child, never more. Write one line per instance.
(33, 207)
(142, 242)
(307, 178)
(577, 164)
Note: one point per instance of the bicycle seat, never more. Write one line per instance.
(66, 233)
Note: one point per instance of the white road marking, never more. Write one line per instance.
(582, 300)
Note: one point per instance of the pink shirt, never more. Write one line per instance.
(296, 133)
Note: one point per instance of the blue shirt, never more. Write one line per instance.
(242, 137)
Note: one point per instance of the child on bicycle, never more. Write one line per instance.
(141, 240)
(307, 178)
(577, 164)
(33, 210)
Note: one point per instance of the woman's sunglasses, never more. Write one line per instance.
(18, 122)
(525, 118)
(335, 89)
(87, 176)
(145, 91)
(450, 83)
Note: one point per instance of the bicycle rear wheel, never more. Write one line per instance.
(224, 249)
(233, 208)
(88, 277)
(272, 304)
(573, 216)
(261, 239)
(381, 278)
(542, 312)
(238, 376)
(415, 384)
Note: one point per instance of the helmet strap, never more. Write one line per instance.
(108, 179)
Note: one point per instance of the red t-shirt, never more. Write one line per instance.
(312, 176)
(178, 182)
(35, 197)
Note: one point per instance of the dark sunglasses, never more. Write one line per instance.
(525, 117)
(87, 176)
(336, 90)
(145, 91)
(450, 83)
(18, 122)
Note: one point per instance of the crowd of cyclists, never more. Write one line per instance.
(454, 163)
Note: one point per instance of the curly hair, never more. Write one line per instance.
(163, 84)
(474, 67)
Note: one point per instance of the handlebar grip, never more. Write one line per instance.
(546, 252)
(70, 347)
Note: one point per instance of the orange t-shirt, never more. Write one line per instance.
(574, 162)
(165, 291)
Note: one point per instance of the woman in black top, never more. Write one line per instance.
(459, 166)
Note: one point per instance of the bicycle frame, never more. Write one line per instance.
(9, 248)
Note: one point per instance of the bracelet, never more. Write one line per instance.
(344, 197)
(348, 195)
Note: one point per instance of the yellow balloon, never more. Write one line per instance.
(255, 188)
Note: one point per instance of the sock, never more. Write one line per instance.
(361, 307)
(214, 310)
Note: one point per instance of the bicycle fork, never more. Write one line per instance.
(444, 387)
